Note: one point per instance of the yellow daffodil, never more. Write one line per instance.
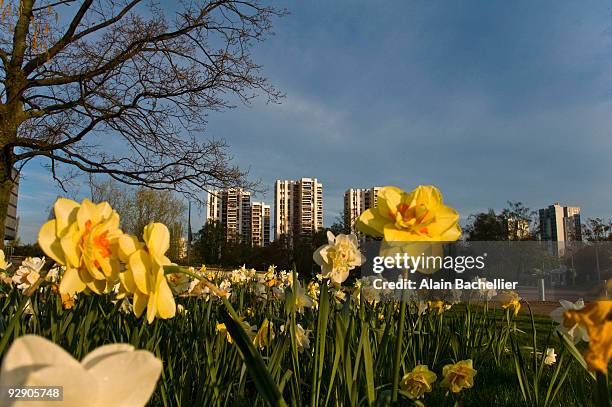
(67, 301)
(596, 317)
(83, 238)
(509, 300)
(418, 382)
(111, 375)
(144, 275)
(265, 335)
(438, 306)
(458, 376)
(419, 215)
(338, 257)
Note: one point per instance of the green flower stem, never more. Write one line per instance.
(20, 308)
(12, 322)
(264, 382)
(397, 360)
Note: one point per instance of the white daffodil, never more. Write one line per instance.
(577, 332)
(300, 298)
(338, 257)
(34, 263)
(365, 286)
(301, 336)
(53, 275)
(111, 375)
(550, 358)
(238, 276)
(226, 288)
(28, 273)
(485, 293)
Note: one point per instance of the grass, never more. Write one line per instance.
(349, 360)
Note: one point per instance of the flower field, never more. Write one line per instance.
(138, 329)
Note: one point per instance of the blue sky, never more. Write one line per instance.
(488, 100)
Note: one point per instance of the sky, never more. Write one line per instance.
(489, 101)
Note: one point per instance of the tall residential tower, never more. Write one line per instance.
(560, 224)
(298, 207)
(240, 218)
(356, 201)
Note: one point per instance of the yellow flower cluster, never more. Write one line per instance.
(420, 380)
(86, 239)
(509, 300)
(416, 216)
(410, 222)
(439, 306)
(458, 376)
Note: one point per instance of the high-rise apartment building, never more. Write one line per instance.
(560, 224)
(356, 201)
(232, 209)
(260, 224)
(298, 207)
(239, 217)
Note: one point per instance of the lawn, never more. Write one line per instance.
(344, 355)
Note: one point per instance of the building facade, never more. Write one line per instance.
(232, 209)
(260, 224)
(356, 201)
(11, 226)
(242, 220)
(560, 224)
(298, 207)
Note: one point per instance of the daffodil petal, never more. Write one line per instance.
(104, 351)
(151, 305)
(79, 388)
(140, 303)
(71, 282)
(32, 349)
(166, 307)
(49, 243)
(370, 223)
(140, 264)
(126, 390)
(157, 238)
(127, 245)
(65, 213)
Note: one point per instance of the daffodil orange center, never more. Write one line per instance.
(100, 241)
(415, 218)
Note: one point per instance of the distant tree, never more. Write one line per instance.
(337, 228)
(139, 206)
(119, 87)
(209, 243)
(486, 226)
(597, 229)
(519, 221)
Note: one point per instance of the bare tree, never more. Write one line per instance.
(122, 87)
